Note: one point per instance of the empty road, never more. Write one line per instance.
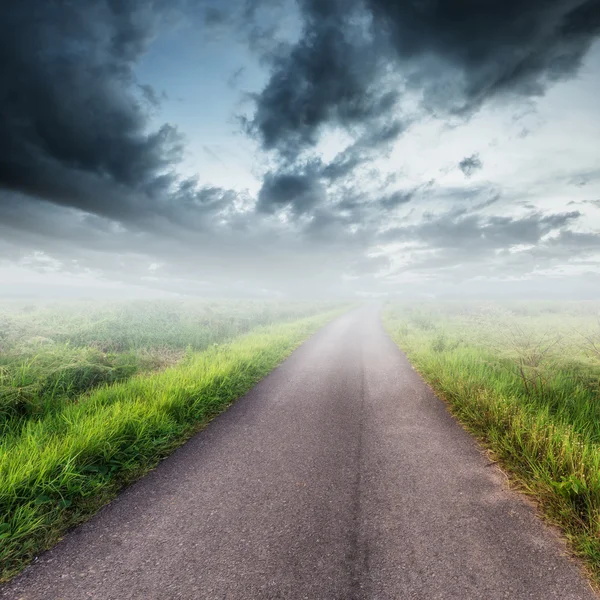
(339, 476)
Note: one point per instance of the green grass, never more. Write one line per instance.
(59, 467)
(52, 354)
(525, 379)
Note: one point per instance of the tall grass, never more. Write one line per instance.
(58, 469)
(140, 324)
(524, 381)
(52, 354)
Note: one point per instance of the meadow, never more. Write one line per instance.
(525, 379)
(93, 395)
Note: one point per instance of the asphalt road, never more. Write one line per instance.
(340, 476)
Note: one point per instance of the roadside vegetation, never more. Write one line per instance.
(525, 379)
(92, 397)
(50, 354)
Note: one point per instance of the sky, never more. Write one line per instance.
(428, 148)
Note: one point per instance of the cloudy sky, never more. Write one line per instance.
(446, 147)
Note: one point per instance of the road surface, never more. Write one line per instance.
(339, 476)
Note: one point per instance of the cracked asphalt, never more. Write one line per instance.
(339, 476)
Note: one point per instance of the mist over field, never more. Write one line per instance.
(300, 148)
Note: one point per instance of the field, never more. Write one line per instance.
(525, 379)
(94, 395)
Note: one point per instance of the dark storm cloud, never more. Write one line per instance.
(493, 46)
(329, 76)
(300, 191)
(330, 193)
(73, 120)
(327, 193)
(455, 55)
(470, 164)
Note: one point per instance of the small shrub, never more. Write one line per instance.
(439, 343)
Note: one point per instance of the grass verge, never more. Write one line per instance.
(531, 397)
(60, 470)
(53, 353)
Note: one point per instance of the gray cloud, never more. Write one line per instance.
(78, 58)
(396, 199)
(470, 164)
(456, 249)
(334, 74)
(301, 192)
(150, 94)
(88, 179)
(374, 143)
(457, 55)
(477, 232)
(583, 178)
(89, 144)
(490, 47)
